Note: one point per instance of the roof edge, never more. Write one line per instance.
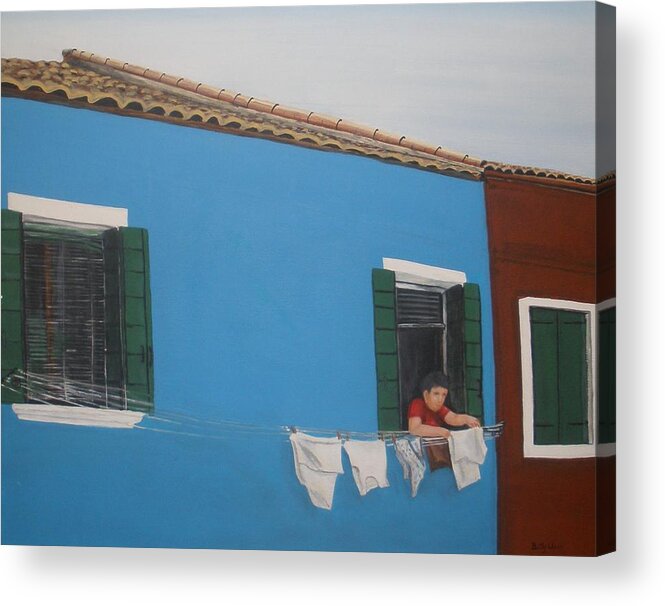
(325, 132)
(532, 172)
(551, 178)
(85, 58)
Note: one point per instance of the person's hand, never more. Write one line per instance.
(443, 432)
(472, 421)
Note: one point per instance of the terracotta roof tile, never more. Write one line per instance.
(446, 153)
(84, 79)
(151, 74)
(189, 85)
(168, 80)
(115, 64)
(241, 100)
(261, 106)
(291, 113)
(324, 121)
(420, 146)
(226, 95)
(388, 137)
(346, 126)
(208, 91)
(85, 56)
(135, 70)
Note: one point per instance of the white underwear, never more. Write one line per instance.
(369, 464)
(317, 462)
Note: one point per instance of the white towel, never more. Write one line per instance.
(317, 462)
(368, 463)
(410, 456)
(467, 453)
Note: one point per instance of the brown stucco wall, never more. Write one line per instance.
(543, 243)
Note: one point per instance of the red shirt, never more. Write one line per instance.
(418, 408)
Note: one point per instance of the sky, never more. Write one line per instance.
(510, 82)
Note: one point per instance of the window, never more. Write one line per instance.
(562, 381)
(425, 318)
(76, 314)
(561, 373)
(607, 372)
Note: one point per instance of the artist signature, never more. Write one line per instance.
(542, 546)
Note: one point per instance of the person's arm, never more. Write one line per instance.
(457, 420)
(418, 428)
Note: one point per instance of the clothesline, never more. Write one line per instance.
(490, 432)
(43, 390)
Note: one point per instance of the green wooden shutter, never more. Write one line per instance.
(137, 318)
(464, 349)
(473, 351)
(545, 363)
(573, 379)
(455, 366)
(607, 376)
(560, 376)
(13, 353)
(115, 376)
(385, 347)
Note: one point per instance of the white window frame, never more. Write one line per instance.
(561, 451)
(57, 211)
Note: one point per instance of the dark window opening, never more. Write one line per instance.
(420, 340)
(420, 352)
(67, 302)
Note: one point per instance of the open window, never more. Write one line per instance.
(76, 313)
(425, 318)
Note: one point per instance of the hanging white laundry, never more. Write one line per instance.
(368, 463)
(467, 453)
(317, 462)
(417, 445)
(409, 454)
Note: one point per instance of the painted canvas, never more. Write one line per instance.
(292, 278)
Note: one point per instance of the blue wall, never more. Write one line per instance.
(261, 258)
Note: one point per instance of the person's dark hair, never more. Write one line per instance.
(432, 380)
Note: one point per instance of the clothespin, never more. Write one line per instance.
(293, 429)
(381, 436)
(339, 435)
(347, 436)
(394, 440)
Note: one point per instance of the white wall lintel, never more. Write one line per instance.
(73, 212)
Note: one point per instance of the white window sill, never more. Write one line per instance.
(582, 451)
(78, 415)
